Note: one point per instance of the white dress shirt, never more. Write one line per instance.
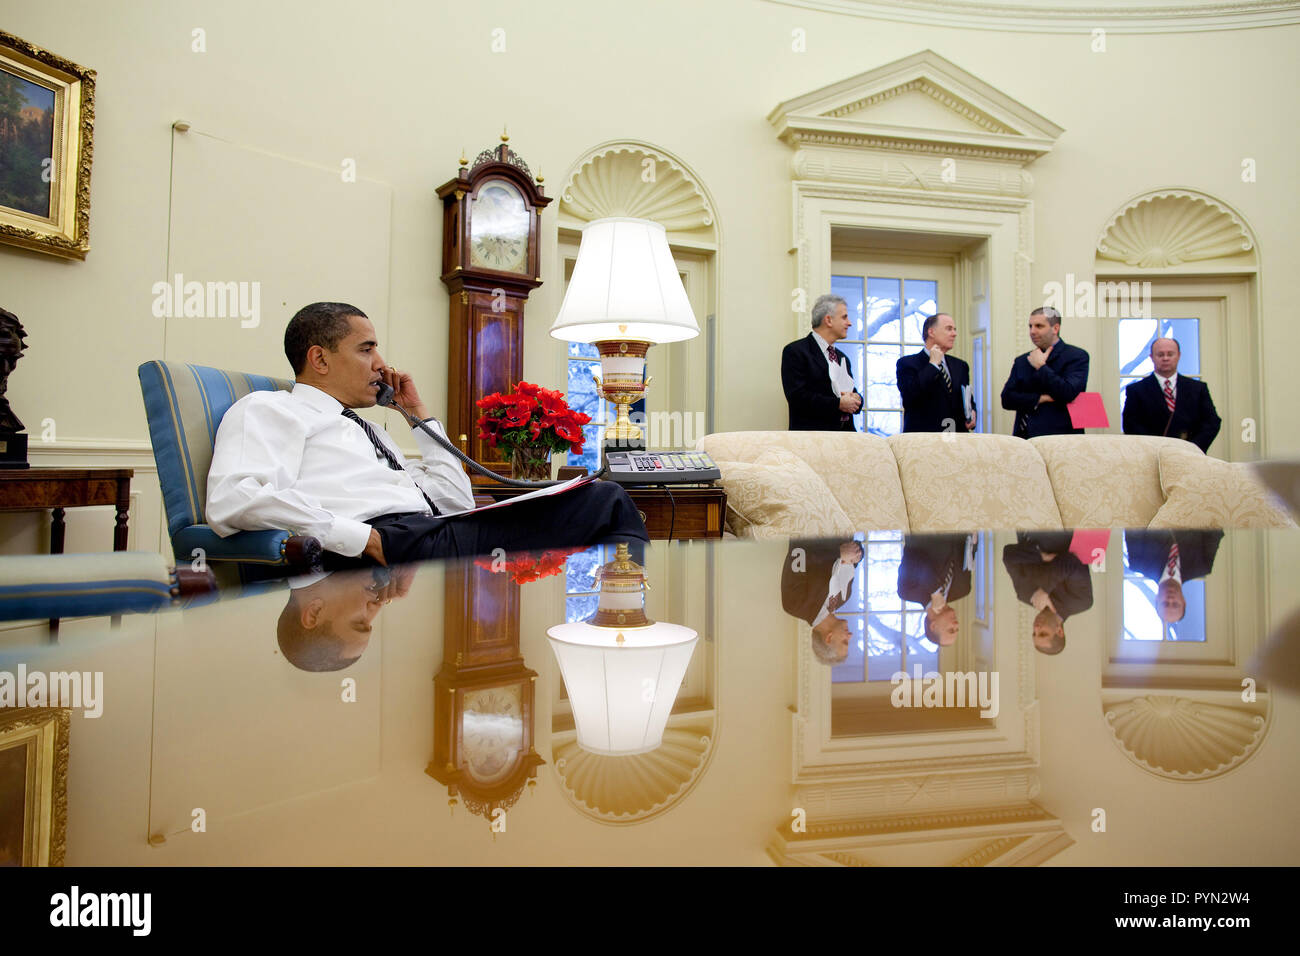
(841, 381)
(838, 585)
(1172, 380)
(292, 460)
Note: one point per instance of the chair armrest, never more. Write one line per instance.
(273, 548)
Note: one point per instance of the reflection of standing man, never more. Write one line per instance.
(933, 383)
(1047, 576)
(935, 571)
(816, 581)
(1169, 558)
(1166, 403)
(1045, 380)
(817, 377)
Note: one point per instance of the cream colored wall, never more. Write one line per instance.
(404, 88)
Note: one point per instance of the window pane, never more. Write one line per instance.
(849, 288)
(883, 310)
(583, 350)
(1136, 336)
(883, 423)
(884, 646)
(920, 300)
(882, 563)
(882, 377)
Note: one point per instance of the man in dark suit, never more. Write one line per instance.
(1166, 403)
(931, 382)
(934, 572)
(817, 377)
(1050, 578)
(816, 581)
(1045, 380)
(1170, 558)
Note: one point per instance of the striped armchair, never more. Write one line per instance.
(184, 404)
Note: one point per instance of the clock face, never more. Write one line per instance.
(492, 729)
(498, 228)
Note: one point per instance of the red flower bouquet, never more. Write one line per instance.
(527, 566)
(531, 415)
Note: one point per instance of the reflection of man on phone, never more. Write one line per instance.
(303, 460)
(1045, 380)
(327, 621)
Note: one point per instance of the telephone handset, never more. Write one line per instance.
(385, 397)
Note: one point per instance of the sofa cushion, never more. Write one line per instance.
(1106, 481)
(1202, 492)
(778, 495)
(858, 470)
(959, 482)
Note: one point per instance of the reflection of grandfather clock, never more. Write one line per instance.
(490, 262)
(483, 694)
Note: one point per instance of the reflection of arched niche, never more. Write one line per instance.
(1169, 227)
(1179, 738)
(633, 789)
(634, 179)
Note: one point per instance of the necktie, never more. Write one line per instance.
(947, 579)
(1172, 565)
(943, 370)
(383, 450)
(1169, 395)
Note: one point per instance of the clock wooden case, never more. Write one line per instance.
(490, 263)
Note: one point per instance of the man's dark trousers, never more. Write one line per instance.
(598, 513)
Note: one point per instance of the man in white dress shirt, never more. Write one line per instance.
(303, 461)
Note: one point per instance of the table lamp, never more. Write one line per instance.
(621, 669)
(625, 295)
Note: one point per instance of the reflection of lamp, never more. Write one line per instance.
(622, 670)
(625, 295)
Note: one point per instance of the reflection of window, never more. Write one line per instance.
(886, 325)
(887, 634)
(1142, 621)
(581, 589)
(1136, 337)
(583, 397)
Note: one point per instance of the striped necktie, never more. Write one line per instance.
(383, 451)
(943, 370)
(1172, 566)
(1169, 395)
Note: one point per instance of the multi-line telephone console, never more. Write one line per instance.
(660, 467)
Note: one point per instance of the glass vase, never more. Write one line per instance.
(531, 462)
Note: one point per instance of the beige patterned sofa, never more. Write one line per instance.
(830, 483)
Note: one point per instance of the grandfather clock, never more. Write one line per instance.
(490, 263)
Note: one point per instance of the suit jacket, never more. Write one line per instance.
(926, 558)
(804, 592)
(1148, 551)
(1194, 418)
(814, 406)
(927, 401)
(1064, 578)
(1063, 377)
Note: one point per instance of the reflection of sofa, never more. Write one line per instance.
(828, 483)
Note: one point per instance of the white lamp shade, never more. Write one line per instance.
(622, 696)
(625, 285)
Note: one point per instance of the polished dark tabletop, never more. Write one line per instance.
(1059, 698)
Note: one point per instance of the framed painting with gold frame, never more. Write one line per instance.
(33, 786)
(47, 111)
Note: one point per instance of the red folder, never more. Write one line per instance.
(1088, 411)
(1088, 545)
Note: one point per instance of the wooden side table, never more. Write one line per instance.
(36, 489)
(700, 510)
